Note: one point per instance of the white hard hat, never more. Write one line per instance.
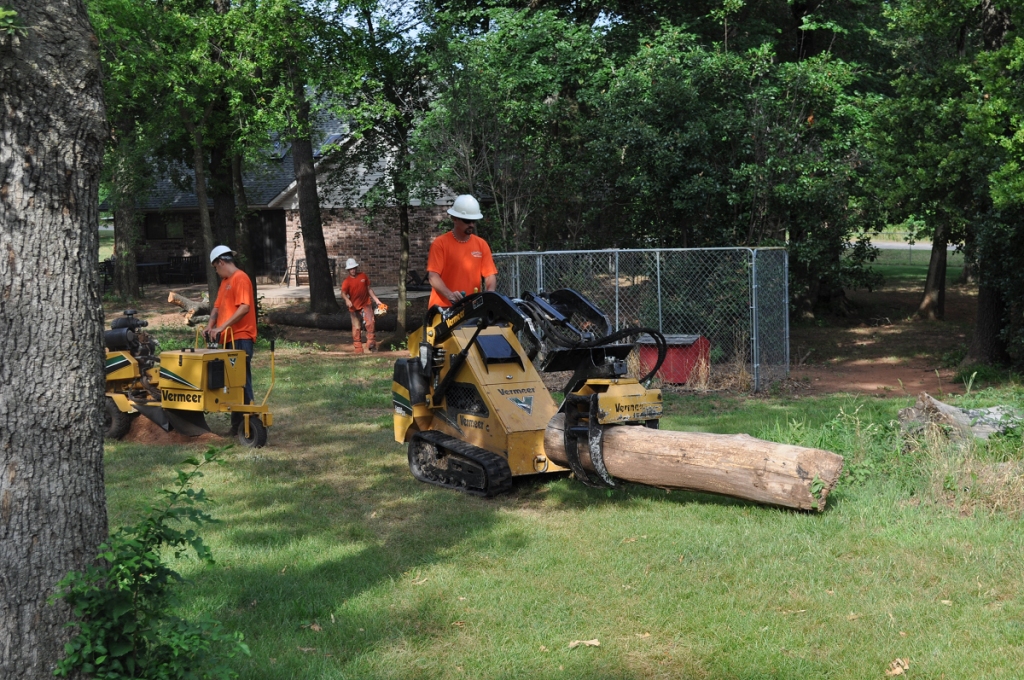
(220, 251)
(466, 208)
(351, 264)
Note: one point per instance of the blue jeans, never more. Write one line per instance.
(248, 346)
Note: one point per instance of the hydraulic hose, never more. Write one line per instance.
(659, 341)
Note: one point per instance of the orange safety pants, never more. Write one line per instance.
(360, 318)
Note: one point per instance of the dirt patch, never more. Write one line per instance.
(883, 348)
(145, 431)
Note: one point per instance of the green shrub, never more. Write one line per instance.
(125, 602)
(953, 357)
(981, 374)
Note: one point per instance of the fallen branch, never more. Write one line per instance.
(327, 322)
(191, 306)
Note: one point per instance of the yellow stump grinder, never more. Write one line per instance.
(176, 388)
(471, 404)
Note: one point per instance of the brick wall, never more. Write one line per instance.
(375, 245)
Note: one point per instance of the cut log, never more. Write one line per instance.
(189, 305)
(732, 465)
(327, 322)
(196, 319)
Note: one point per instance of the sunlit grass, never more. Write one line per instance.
(106, 244)
(335, 563)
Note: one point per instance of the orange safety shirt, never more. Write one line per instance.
(460, 265)
(357, 288)
(235, 291)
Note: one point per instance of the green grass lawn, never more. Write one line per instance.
(914, 274)
(899, 257)
(106, 244)
(335, 563)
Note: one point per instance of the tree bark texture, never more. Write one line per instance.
(321, 285)
(222, 192)
(732, 465)
(242, 235)
(199, 167)
(402, 193)
(933, 302)
(126, 220)
(126, 272)
(986, 347)
(52, 503)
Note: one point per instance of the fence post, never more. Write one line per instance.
(616, 289)
(540, 273)
(657, 259)
(785, 301)
(755, 360)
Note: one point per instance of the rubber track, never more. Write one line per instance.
(496, 469)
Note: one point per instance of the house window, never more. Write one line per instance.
(160, 228)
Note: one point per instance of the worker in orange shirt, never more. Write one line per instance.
(460, 262)
(356, 291)
(235, 305)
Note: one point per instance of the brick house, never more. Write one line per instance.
(171, 226)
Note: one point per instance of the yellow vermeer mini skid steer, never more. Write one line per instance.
(471, 404)
(176, 388)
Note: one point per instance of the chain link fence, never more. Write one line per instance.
(725, 310)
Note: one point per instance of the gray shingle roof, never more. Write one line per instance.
(262, 183)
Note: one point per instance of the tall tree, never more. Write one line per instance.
(375, 170)
(293, 48)
(129, 36)
(52, 505)
(993, 328)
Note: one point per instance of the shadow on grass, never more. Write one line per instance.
(327, 528)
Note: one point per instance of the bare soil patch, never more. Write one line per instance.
(145, 431)
(883, 348)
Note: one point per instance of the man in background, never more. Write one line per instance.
(356, 292)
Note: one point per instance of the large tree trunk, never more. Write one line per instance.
(403, 267)
(986, 346)
(126, 272)
(327, 322)
(733, 465)
(199, 167)
(52, 505)
(402, 194)
(242, 233)
(126, 218)
(222, 192)
(321, 286)
(933, 302)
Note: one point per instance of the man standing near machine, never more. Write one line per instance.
(236, 306)
(459, 259)
(356, 291)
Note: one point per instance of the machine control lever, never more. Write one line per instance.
(456, 361)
